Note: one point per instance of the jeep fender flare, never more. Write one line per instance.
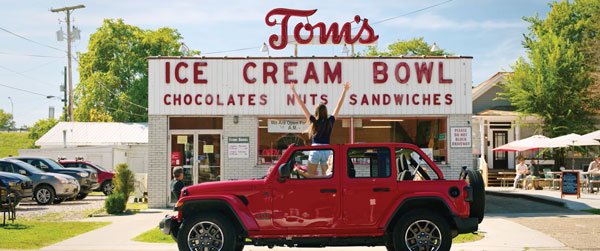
(227, 204)
(429, 200)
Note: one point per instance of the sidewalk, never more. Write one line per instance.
(586, 200)
(500, 234)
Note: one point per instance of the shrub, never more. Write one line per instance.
(124, 179)
(115, 203)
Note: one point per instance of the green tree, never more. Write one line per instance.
(113, 83)
(40, 128)
(413, 47)
(124, 179)
(555, 81)
(6, 121)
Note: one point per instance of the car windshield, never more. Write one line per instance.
(54, 164)
(99, 167)
(28, 167)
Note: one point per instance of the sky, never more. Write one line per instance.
(490, 31)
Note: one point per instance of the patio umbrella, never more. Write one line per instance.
(592, 135)
(574, 139)
(534, 142)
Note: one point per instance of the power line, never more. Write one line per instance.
(119, 96)
(27, 39)
(412, 12)
(23, 75)
(31, 55)
(242, 49)
(30, 92)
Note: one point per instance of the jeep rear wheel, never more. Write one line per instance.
(207, 231)
(422, 230)
(475, 181)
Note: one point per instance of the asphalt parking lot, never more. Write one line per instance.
(30, 209)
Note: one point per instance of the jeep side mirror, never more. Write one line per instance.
(284, 171)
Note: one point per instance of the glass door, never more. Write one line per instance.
(182, 154)
(209, 157)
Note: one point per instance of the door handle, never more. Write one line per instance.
(381, 189)
(328, 190)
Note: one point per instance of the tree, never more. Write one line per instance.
(113, 73)
(413, 47)
(6, 121)
(40, 128)
(124, 179)
(555, 81)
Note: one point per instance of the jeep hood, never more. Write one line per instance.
(224, 187)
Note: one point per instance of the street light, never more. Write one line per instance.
(434, 48)
(345, 50)
(265, 48)
(184, 49)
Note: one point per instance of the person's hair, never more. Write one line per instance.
(177, 171)
(521, 158)
(322, 124)
(598, 156)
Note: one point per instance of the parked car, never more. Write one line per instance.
(88, 179)
(385, 194)
(47, 187)
(105, 178)
(18, 184)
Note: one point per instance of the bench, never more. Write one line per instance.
(506, 178)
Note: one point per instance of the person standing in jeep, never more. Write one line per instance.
(176, 184)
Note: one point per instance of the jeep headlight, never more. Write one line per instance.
(83, 174)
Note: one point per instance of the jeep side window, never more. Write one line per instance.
(373, 162)
(410, 165)
(323, 158)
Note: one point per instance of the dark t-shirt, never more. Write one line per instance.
(322, 138)
(176, 186)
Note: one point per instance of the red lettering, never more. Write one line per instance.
(436, 99)
(269, 73)
(209, 99)
(307, 27)
(198, 99)
(219, 100)
(231, 101)
(377, 72)
(246, 78)
(448, 99)
(177, 68)
(168, 72)
(241, 96)
(424, 69)
(286, 13)
(291, 100)
(287, 72)
(386, 99)
(426, 99)
(198, 72)
(324, 99)
(263, 99)
(251, 99)
(337, 72)
(414, 99)
(398, 98)
(311, 73)
(313, 96)
(375, 100)
(353, 99)
(441, 75)
(187, 99)
(406, 74)
(364, 100)
(177, 99)
(165, 99)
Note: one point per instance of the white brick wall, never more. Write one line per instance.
(158, 167)
(457, 157)
(238, 169)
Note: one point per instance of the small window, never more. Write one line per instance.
(6, 167)
(411, 165)
(369, 162)
(312, 164)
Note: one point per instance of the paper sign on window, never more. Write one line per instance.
(209, 148)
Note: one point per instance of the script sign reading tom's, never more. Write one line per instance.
(570, 183)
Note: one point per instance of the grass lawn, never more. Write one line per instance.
(592, 211)
(155, 236)
(38, 234)
(470, 237)
(131, 208)
(10, 142)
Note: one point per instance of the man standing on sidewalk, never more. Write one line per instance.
(176, 184)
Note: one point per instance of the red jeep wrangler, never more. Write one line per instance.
(368, 195)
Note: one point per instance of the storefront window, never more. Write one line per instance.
(275, 135)
(427, 133)
(195, 123)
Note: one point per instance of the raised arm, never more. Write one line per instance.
(347, 86)
(306, 113)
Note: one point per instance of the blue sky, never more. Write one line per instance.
(489, 30)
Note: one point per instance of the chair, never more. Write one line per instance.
(548, 176)
(8, 204)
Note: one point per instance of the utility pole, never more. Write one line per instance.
(64, 89)
(68, 11)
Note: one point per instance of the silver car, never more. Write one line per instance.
(47, 187)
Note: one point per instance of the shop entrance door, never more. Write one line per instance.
(500, 158)
(198, 152)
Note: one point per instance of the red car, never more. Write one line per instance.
(104, 177)
(386, 194)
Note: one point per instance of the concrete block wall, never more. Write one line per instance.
(158, 168)
(247, 168)
(458, 156)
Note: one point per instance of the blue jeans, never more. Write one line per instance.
(319, 157)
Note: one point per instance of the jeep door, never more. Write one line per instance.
(369, 186)
(308, 203)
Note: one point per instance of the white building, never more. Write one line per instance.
(106, 144)
(231, 118)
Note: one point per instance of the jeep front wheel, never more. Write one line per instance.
(422, 230)
(207, 231)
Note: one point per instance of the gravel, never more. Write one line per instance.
(67, 210)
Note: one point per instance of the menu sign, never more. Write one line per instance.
(238, 147)
(460, 136)
(569, 183)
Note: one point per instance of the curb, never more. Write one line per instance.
(528, 197)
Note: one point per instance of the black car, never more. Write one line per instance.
(88, 179)
(18, 184)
